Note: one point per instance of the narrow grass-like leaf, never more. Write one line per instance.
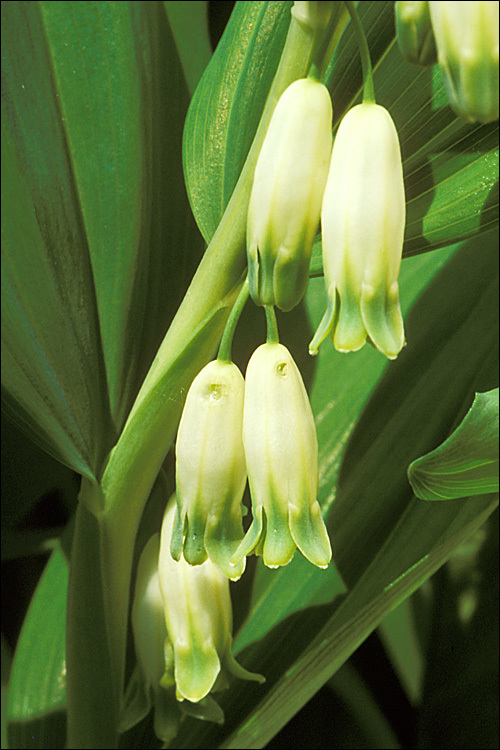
(467, 462)
(399, 635)
(37, 691)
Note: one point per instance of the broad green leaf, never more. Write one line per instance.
(123, 102)
(52, 364)
(227, 105)
(189, 24)
(37, 696)
(98, 241)
(467, 462)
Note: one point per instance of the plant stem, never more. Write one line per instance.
(136, 459)
(224, 354)
(368, 88)
(272, 326)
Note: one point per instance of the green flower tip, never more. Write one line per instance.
(467, 39)
(198, 616)
(414, 33)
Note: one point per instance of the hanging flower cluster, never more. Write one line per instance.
(182, 626)
(261, 427)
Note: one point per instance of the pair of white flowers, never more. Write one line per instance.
(357, 190)
(261, 427)
(182, 625)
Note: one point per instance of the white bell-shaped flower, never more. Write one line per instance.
(198, 615)
(467, 37)
(210, 469)
(285, 202)
(363, 222)
(281, 450)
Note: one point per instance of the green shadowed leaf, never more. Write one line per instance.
(467, 462)
(37, 694)
(189, 24)
(98, 240)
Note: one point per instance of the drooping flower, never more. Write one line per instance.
(285, 202)
(414, 32)
(467, 43)
(281, 450)
(198, 616)
(363, 221)
(210, 469)
(153, 652)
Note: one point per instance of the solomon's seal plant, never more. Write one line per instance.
(125, 147)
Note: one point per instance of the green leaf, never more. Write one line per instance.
(467, 462)
(37, 695)
(189, 24)
(227, 105)
(123, 102)
(399, 635)
(99, 244)
(52, 368)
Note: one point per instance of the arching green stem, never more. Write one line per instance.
(368, 88)
(224, 354)
(272, 326)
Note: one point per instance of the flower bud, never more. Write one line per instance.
(285, 201)
(198, 616)
(315, 13)
(210, 469)
(467, 43)
(153, 651)
(363, 220)
(281, 450)
(414, 32)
